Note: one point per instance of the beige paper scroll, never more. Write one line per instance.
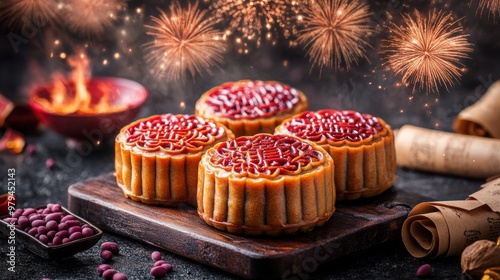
(447, 153)
(483, 117)
(445, 228)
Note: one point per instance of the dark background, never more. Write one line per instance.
(368, 87)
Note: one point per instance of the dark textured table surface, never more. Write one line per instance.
(367, 87)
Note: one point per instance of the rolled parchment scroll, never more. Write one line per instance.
(482, 118)
(447, 153)
(445, 228)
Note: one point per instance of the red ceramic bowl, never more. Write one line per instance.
(95, 127)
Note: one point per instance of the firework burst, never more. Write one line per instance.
(185, 40)
(427, 51)
(492, 6)
(27, 13)
(252, 20)
(91, 17)
(335, 32)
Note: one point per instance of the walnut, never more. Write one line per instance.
(478, 257)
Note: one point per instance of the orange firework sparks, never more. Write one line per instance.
(185, 40)
(492, 6)
(254, 20)
(27, 13)
(91, 17)
(427, 51)
(335, 32)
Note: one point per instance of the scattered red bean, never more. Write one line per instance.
(158, 271)
(160, 262)
(110, 246)
(50, 163)
(108, 273)
(168, 267)
(119, 276)
(424, 270)
(156, 256)
(103, 267)
(106, 255)
(31, 149)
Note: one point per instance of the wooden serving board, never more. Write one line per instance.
(354, 226)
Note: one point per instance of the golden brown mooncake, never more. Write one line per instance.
(156, 158)
(250, 107)
(266, 185)
(362, 147)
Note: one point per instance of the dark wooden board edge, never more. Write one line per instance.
(355, 226)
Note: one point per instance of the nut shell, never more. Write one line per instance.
(478, 257)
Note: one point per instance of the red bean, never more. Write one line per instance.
(23, 222)
(156, 256)
(35, 217)
(54, 217)
(158, 271)
(424, 270)
(103, 267)
(65, 240)
(110, 246)
(74, 229)
(43, 238)
(72, 223)
(56, 208)
(160, 262)
(42, 230)
(75, 236)
(108, 274)
(46, 211)
(33, 231)
(51, 234)
(18, 213)
(106, 255)
(120, 276)
(167, 266)
(62, 226)
(56, 241)
(29, 211)
(67, 218)
(37, 223)
(87, 232)
(51, 225)
(62, 233)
